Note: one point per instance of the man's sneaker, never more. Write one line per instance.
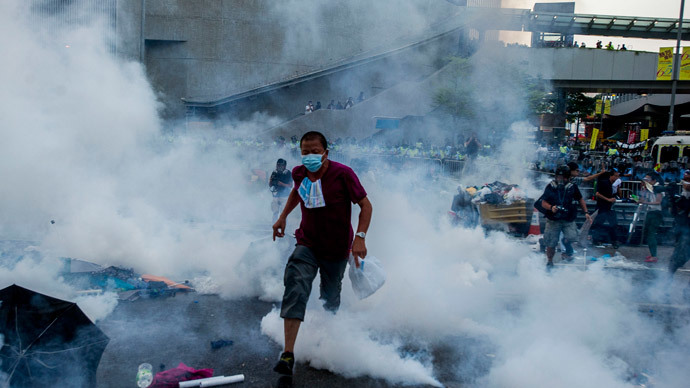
(549, 265)
(651, 259)
(565, 257)
(285, 364)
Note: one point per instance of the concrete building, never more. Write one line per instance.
(231, 58)
(210, 54)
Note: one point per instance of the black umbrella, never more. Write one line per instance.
(47, 342)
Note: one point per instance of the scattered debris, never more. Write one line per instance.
(213, 381)
(497, 193)
(47, 342)
(130, 286)
(221, 343)
(171, 378)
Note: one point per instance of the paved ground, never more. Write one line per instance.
(165, 332)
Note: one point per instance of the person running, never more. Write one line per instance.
(325, 191)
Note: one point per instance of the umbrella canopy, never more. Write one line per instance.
(47, 342)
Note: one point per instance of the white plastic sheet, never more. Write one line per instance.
(368, 278)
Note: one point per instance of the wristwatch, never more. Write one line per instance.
(361, 234)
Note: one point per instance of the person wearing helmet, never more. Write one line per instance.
(579, 180)
(465, 213)
(559, 203)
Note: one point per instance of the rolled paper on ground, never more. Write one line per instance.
(198, 382)
(223, 381)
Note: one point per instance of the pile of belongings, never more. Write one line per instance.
(129, 285)
(496, 193)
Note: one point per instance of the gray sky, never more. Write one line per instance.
(657, 8)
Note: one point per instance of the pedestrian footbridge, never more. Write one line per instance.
(509, 19)
(592, 70)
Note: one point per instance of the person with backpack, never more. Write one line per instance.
(579, 181)
(651, 195)
(559, 205)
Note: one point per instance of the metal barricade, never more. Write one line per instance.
(427, 164)
(452, 167)
(629, 188)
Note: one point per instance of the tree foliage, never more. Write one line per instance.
(454, 97)
(579, 106)
(464, 95)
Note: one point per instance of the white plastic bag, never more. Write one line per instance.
(368, 278)
(514, 195)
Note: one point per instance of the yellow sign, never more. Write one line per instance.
(664, 68)
(685, 65)
(607, 107)
(593, 142)
(644, 134)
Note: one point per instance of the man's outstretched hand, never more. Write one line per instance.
(279, 228)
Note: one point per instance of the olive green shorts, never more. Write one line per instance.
(300, 271)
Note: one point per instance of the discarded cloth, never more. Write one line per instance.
(171, 378)
(220, 343)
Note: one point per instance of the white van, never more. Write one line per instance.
(671, 148)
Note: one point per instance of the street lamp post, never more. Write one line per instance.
(676, 65)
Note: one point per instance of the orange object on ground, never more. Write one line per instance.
(534, 227)
(167, 281)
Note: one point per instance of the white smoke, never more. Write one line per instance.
(83, 145)
(570, 328)
(88, 172)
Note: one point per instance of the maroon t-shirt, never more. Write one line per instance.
(327, 230)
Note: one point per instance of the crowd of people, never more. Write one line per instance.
(458, 149)
(562, 197)
(574, 44)
(631, 163)
(326, 239)
(349, 103)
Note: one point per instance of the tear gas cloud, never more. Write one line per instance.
(84, 146)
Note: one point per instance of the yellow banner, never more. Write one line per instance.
(607, 107)
(685, 65)
(664, 67)
(644, 134)
(595, 135)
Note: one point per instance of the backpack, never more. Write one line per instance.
(568, 206)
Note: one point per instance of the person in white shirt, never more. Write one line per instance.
(309, 108)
